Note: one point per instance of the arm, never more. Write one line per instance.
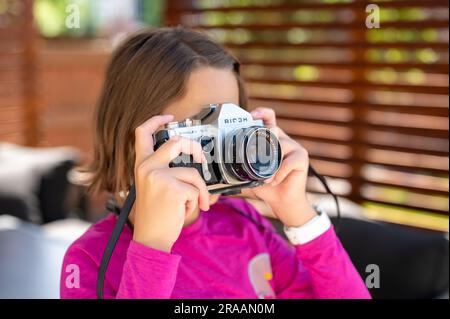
(147, 273)
(321, 267)
(149, 270)
(319, 257)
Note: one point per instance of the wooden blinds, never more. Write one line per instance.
(370, 104)
(18, 110)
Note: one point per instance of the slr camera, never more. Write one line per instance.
(240, 151)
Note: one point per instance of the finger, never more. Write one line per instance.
(191, 176)
(295, 161)
(187, 175)
(190, 207)
(190, 194)
(288, 145)
(248, 193)
(144, 136)
(172, 149)
(265, 114)
(269, 180)
(278, 132)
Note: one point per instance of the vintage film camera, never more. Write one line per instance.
(240, 151)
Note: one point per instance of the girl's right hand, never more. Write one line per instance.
(164, 196)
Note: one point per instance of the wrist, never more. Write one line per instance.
(154, 243)
(292, 215)
(309, 231)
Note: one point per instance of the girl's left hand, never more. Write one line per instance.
(285, 193)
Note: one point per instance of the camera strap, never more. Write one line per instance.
(118, 227)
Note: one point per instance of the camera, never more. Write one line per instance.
(240, 151)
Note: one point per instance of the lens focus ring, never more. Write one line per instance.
(252, 154)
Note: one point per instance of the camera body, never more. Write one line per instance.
(240, 151)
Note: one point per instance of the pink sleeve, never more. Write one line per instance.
(147, 273)
(319, 269)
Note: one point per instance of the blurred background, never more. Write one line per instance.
(370, 105)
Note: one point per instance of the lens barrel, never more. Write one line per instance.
(252, 154)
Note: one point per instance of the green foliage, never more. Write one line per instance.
(51, 17)
(152, 12)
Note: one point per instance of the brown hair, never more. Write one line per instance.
(146, 73)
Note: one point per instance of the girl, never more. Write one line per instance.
(181, 242)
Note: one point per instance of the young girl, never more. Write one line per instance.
(181, 242)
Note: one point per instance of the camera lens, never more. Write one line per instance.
(252, 154)
(262, 153)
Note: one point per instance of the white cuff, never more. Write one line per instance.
(311, 230)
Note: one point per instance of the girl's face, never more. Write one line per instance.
(206, 85)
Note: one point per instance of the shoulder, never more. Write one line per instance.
(82, 259)
(93, 242)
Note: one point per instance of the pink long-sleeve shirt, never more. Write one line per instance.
(221, 255)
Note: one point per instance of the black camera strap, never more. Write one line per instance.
(115, 235)
(128, 205)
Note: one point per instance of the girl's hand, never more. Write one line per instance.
(164, 196)
(285, 193)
